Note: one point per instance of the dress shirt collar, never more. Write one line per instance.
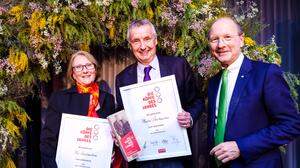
(154, 64)
(235, 66)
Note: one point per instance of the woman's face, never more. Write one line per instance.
(84, 71)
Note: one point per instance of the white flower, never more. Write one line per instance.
(43, 62)
(46, 33)
(3, 138)
(3, 90)
(1, 28)
(56, 10)
(103, 2)
(86, 2)
(55, 55)
(57, 67)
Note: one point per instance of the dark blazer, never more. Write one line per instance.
(188, 92)
(168, 65)
(261, 116)
(71, 102)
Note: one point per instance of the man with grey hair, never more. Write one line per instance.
(251, 111)
(142, 38)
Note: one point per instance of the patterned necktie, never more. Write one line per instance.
(221, 119)
(147, 73)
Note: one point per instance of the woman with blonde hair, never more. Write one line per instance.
(83, 96)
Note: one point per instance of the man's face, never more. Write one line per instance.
(225, 41)
(143, 43)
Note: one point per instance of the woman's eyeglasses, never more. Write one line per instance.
(79, 68)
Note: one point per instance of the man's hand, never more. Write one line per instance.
(226, 151)
(115, 139)
(184, 119)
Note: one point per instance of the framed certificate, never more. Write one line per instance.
(152, 108)
(84, 142)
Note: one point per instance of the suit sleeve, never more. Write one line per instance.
(49, 133)
(193, 103)
(285, 121)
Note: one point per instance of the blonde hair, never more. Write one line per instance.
(90, 57)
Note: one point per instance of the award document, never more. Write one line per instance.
(84, 142)
(152, 108)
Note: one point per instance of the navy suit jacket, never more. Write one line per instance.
(261, 116)
(188, 92)
(187, 88)
(71, 102)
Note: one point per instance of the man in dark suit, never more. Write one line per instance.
(142, 38)
(251, 111)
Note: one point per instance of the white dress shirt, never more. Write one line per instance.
(154, 72)
(233, 71)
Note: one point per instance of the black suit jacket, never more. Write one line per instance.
(71, 102)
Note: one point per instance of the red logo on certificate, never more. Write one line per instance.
(162, 150)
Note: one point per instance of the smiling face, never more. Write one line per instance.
(84, 71)
(143, 43)
(225, 41)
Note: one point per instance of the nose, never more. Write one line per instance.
(221, 43)
(84, 69)
(143, 45)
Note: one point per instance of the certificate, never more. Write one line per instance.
(84, 142)
(152, 108)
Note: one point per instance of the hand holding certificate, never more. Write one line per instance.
(124, 134)
(84, 142)
(152, 109)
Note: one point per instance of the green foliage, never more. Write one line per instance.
(36, 37)
(13, 118)
(293, 81)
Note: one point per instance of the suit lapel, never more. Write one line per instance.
(164, 70)
(132, 75)
(212, 96)
(240, 84)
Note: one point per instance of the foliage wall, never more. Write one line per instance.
(37, 37)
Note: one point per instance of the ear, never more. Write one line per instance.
(242, 39)
(72, 75)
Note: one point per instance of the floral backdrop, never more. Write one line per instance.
(37, 37)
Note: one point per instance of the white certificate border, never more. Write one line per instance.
(62, 130)
(178, 106)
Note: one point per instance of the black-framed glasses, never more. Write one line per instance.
(79, 68)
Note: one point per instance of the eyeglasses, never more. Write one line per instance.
(79, 68)
(226, 39)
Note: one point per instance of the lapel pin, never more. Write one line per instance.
(242, 76)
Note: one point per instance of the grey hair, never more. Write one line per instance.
(138, 23)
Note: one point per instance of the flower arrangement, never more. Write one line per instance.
(36, 39)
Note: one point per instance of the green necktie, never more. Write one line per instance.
(221, 119)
